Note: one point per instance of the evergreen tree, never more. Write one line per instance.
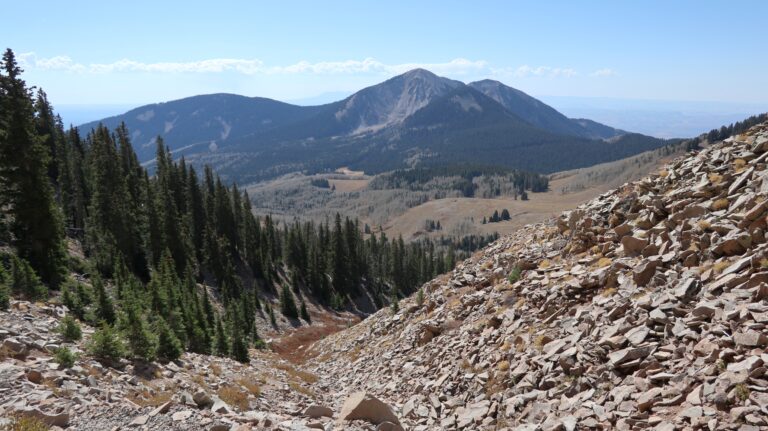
(5, 291)
(304, 312)
(106, 345)
(168, 345)
(70, 329)
(26, 192)
(239, 348)
(222, 343)
(24, 281)
(271, 314)
(105, 308)
(339, 258)
(141, 342)
(288, 303)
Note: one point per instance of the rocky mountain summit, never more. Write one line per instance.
(645, 308)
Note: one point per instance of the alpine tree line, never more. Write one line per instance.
(154, 240)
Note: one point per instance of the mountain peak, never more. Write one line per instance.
(420, 73)
(382, 105)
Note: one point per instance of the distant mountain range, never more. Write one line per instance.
(416, 117)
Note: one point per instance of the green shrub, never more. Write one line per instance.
(70, 329)
(420, 297)
(514, 275)
(20, 422)
(106, 345)
(5, 292)
(24, 280)
(64, 357)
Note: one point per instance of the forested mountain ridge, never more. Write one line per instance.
(540, 114)
(174, 253)
(416, 117)
(198, 123)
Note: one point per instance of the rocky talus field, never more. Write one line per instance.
(645, 308)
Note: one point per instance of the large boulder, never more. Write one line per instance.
(362, 405)
(14, 347)
(633, 246)
(315, 411)
(202, 399)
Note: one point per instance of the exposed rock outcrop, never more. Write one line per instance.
(645, 308)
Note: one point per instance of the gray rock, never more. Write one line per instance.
(316, 411)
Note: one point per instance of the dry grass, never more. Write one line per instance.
(147, 398)
(454, 302)
(298, 374)
(739, 165)
(234, 397)
(540, 341)
(720, 204)
(215, 369)
(663, 173)
(199, 380)
(354, 353)
(742, 392)
(251, 385)
(704, 225)
(51, 384)
(715, 178)
(719, 267)
(24, 423)
(301, 389)
(348, 185)
(494, 385)
(544, 264)
(603, 262)
(503, 366)
(92, 371)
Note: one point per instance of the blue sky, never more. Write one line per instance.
(104, 52)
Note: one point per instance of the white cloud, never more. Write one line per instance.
(457, 66)
(246, 66)
(604, 72)
(526, 71)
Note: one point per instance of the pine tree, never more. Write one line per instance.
(271, 315)
(5, 291)
(420, 297)
(24, 281)
(340, 260)
(304, 312)
(222, 343)
(288, 303)
(168, 345)
(36, 221)
(105, 308)
(106, 345)
(239, 348)
(70, 329)
(141, 342)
